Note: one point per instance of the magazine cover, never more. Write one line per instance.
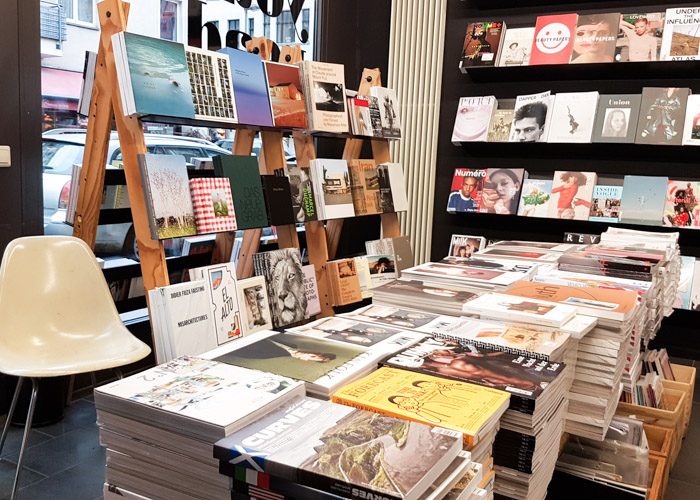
(617, 117)
(285, 284)
(479, 273)
(681, 38)
(639, 38)
(682, 208)
(643, 199)
(255, 307)
(596, 38)
(473, 118)
(691, 129)
(482, 44)
(465, 246)
(573, 117)
(517, 46)
(502, 121)
(348, 331)
(393, 316)
(554, 39)
(662, 115)
(286, 95)
(534, 198)
(605, 206)
(572, 193)
(466, 190)
(501, 191)
(531, 117)
(500, 306)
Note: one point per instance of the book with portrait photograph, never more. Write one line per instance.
(474, 115)
(501, 121)
(364, 185)
(616, 118)
(250, 87)
(554, 39)
(254, 304)
(286, 95)
(213, 204)
(462, 245)
(302, 193)
(388, 111)
(517, 46)
(285, 284)
(531, 117)
(643, 199)
(639, 38)
(343, 281)
(324, 87)
(519, 309)
(399, 247)
(466, 190)
(382, 269)
(573, 116)
(606, 202)
(501, 191)
(212, 85)
(681, 39)
(482, 44)
(220, 280)
(332, 188)
(572, 193)
(595, 40)
(662, 115)
(691, 129)
(535, 196)
(682, 208)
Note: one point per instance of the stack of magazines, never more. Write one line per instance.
(425, 296)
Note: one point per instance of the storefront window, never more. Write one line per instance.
(233, 24)
(285, 28)
(168, 19)
(82, 11)
(251, 27)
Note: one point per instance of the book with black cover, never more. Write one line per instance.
(278, 200)
(303, 201)
(482, 44)
(662, 115)
(246, 188)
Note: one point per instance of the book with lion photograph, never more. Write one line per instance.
(285, 284)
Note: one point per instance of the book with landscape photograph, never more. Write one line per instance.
(681, 39)
(332, 189)
(250, 87)
(286, 95)
(213, 204)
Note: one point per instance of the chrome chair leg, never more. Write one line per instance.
(27, 428)
(10, 413)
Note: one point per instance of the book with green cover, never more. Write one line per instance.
(246, 188)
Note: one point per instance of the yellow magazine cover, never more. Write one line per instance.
(455, 405)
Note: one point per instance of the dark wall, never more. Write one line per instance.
(20, 125)
(607, 159)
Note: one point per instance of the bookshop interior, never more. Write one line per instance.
(375, 250)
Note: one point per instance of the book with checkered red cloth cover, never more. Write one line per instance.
(213, 205)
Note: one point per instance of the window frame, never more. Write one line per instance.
(76, 21)
(178, 27)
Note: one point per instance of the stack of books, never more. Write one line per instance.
(401, 317)
(424, 296)
(159, 426)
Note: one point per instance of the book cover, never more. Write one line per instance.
(278, 200)
(572, 193)
(331, 182)
(244, 179)
(212, 86)
(363, 276)
(685, 283)
(643, 199)
(681, 38)
(364, 185)
(573, 116)
(531, 118)
(302, 193)
(482, 44)
(691, 128)
(393, 316)
(419, 292)
(617, 117)
(343, 451)
(388, 111)
(501, 121)
(605, 205)
(254, 304)
(250, 88)
(285, 284)
(501, 191)
(365, 116)
(382, 269)
(466, 190)
(350, 331)
(469, 272)
(661, 116)
(325, 91)
(397, 182)
(473, 118)
(344, 282)
(313, 304)
(500, 306)
(682, 208)
(386, 196)
(595, 38)
(465, 246)
(459, 406)
(168, 200)
(195, 245)
(517, 47)
(286, 95)
(399, 247)
(289, 355)
(87, 83)
(224, 301)
(535, 196)
(213, 204)
(554, 39)
(157, 81)
(639, 38)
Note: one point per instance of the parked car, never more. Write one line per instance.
(289, 153)
(61, 149)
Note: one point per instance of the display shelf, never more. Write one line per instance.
(175, 263)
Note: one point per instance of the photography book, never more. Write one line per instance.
(517, 46)
(639, 38)
(534, 197)
(365, 117)
(508, 307)
(313, 304)
(244, 179)
(324, 87)
(386, 190)
(554, 39)
(168, 201)
(482, 44)
(643, 199)
(286, 95)
(278, 200)
(220, 280)
(254, 305)
(572, 193)
(399, 248)
(501, 121)
(605, 206)
(531, 117)
(332, 189)
(616, 118)
(682, 208)
(595, 38)
(212, 87)
(285, 284)
(388, 111)
(302, 192)
(382, 269)
(364, 185)
(467, 272)
(397, 182)
(691, 129)
(344, 451)
(662, 115)
(474, 115)
(213, 204)
(250, 88)
(681, 39)
(344, 281)
(573, 117)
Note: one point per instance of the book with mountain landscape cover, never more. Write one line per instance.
(344, 451)
(250, 86)
(482, 44)
(213, 204)
(278, 200)
(681, 38)
(616, 118)
(246, 189)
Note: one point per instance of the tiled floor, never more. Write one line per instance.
(65, 461)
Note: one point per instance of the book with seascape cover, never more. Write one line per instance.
(246, 190)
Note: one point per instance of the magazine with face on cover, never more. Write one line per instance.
(500, 306)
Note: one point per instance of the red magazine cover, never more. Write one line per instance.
(465, 192)
(213, 204)
(554, 39)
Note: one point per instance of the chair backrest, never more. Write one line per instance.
(54, 298)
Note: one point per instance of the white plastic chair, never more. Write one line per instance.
(57, 318)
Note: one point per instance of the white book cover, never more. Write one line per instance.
(534, 197)
(223, 299)
(325, 96)
(517, 45)
(313, 304)
(539, 312)
(465, 274)
(331, 181)
(681, 39)
(362, 266)
(389, 111)
(396, 316)
(573, 117)
(473, 118)
(691, 129)
(531, 118)
(212, 85)
(397, 181)
(695, 294)
(255, 305)
(519, 253)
